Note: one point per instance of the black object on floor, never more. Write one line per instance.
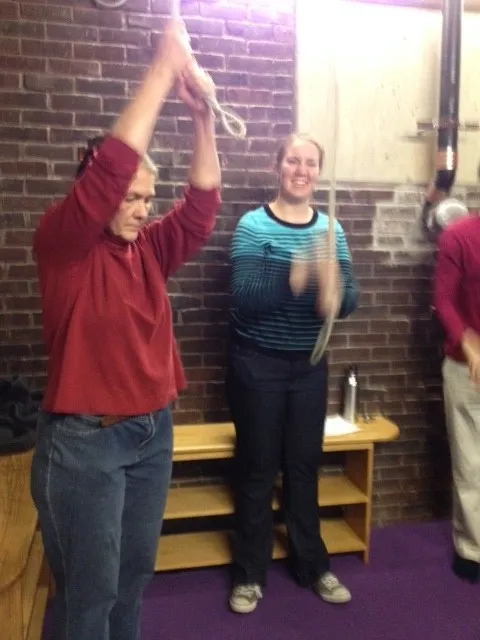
(19, 407)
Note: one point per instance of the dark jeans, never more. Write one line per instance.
(100, 495)
(278, 405)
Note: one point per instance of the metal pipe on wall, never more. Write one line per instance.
(446, 155)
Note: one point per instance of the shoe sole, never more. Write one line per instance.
(332, 600)
(247, 608)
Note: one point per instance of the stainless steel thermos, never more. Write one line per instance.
(350, 394)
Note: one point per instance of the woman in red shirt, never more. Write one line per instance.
(103, 460)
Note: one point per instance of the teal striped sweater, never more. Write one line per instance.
(264, 312)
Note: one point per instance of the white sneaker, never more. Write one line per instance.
(244, 598)
(330, 589)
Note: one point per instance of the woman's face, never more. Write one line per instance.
(299, 171)
(134, 210)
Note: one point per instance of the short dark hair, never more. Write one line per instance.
(304, 137)
(93, 144)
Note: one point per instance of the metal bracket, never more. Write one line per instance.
(429, 126)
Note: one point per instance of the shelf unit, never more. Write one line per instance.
(351, 490)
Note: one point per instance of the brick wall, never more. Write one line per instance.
(67, 69)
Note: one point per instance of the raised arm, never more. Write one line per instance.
(182, 232)
(204, 170)
(72, 227)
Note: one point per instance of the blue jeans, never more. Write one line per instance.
(100, 495)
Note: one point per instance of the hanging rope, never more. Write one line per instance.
(231, 122)
(327, 327)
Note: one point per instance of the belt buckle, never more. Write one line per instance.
(109, 421)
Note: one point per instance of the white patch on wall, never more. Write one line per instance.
(386, 60)
(397, 226)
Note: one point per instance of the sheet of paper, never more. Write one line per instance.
(337, 426)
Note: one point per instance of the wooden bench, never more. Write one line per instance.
(350, 490)
(24, 576)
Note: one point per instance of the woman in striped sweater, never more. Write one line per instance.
(277, 398)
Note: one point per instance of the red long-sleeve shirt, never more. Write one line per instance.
(457, 282)
(106, 314)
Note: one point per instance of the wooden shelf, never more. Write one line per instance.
(211, 548)
(351, 490)
(339, 490)
(216, 500)
(198, 502)
(340, 538)
(217, 440)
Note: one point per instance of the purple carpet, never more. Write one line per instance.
(407, 592)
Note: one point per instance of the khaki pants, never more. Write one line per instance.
(462, 410)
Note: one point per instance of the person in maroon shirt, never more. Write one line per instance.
(457, 302)
(103, 459)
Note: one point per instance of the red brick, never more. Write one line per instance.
(162, 6)
(24, 29)
(10, 80)
(22, 272)
(20, 63)
(19, 238)
(14, 351)
(204, 26)
(75, 67)
(76, 103)
(23, 100)
(65, 169)
(129, 37)
(101, 87)
(93, 17)
(100, 52)
(71, 33)
(123, 72)
(210, 61)
(9, 11)
(139, 56)
(94, 120)
(7, 116)
(21, 335)
(41, 48)
(229, 79)
(146, 22)
(14, 320)
(49, 152)
(9, 46)
(46, 82)
(47, 13)
(23, 168)
(45, 187)
(9, 150)
(224, 45)
(23, 134)
(62, 136)
(48, 117)
(10, 254)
